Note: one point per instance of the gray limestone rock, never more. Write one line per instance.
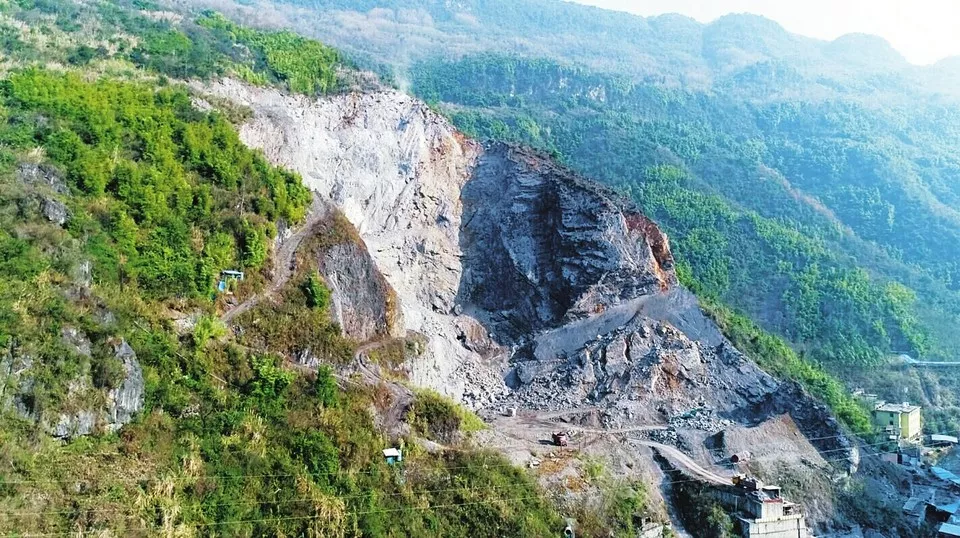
(125, 401)
(90, 409)
(76, 340)
(363, 304)
(43, 175)
(54, 210)
(576, 284)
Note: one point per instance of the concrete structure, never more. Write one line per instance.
(226, 277)
(762, 512)
(392, 455)
(902, 421)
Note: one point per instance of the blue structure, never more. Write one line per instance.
(226, 277)
(392, 455)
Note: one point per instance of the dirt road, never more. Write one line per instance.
(686, 463)
(283, 261)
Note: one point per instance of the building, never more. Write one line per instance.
(902, 421)
(392, 456)
(762, 512)
(943, 440)
(948, 530)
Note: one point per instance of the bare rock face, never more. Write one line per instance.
(85, 408)
(534, 287)
(542, 246)
(363, 304)
(54, 210)
(395, 169)
(42, 175)
(125, 401)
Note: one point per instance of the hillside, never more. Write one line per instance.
(808, 185)
(669, 49)
(128, 406)
(236, 268)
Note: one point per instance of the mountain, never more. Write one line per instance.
(528, 286)
(670, 49)
(821, 173)
(250, 289)
(866, 52)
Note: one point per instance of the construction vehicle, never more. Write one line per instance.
(561, 438)
(748, 483)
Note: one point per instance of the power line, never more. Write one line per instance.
(620, 481)
(360, 472)
(314, 516)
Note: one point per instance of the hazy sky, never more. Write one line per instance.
(924, 31)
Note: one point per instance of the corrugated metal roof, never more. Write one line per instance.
(942, 473)
(952, 508)
(949, 529)
(944, 439)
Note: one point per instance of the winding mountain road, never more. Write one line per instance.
(284, 261)
(933, 364)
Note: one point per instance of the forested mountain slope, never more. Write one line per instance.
(670, 49)
(811, 185)
(127, 407)
(201, 338)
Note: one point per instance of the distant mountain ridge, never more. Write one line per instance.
(672, 48)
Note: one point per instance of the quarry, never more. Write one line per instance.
(544, 301)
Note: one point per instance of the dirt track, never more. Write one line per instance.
(537, 428)
(687, 464)
(283, 262)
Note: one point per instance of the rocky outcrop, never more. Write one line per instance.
(48, 187)
(84, 408)
(543, 247)
(125, 401)
(42, 175)
(395, 169)
(363, 303)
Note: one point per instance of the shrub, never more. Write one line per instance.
(315, 450)
(318, 295)
(254, 244)
(107, 372)
(440, 417)
(206, 329)
(326, 387)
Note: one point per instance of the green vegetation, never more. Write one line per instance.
(318, 295)
(698, 509)
(609, 499)
(729, 185)
(155, 179)
(106, 35)
(306, 66)
(440, 418)
(777, 357)
(235, 438)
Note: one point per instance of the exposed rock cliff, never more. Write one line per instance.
(534, 287)
(542, 247)
(90, 402)
(395, 169)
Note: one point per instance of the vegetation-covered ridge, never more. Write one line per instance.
(115, 36)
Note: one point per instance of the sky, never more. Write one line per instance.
(924, 31)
